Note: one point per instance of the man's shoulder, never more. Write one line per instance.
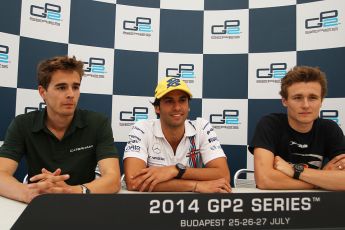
(28, 117)
(276, 116)
(274, 119)
(27, 122)
(272, 124)
(327, 124)
(269, 132)
(92, 116)
(198, 125)
(146, 126)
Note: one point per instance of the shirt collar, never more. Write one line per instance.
(78, 121)
(39, 121)
(190, 129)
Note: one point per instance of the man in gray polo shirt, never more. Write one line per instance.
(62, 144)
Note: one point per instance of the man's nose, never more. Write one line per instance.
(305, 102)
(70, 93)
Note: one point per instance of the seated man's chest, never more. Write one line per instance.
(310, 152)
(74, 148)
(160, 153)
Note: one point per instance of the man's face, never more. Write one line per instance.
(303, 104)
(62, 94)
(173, 109)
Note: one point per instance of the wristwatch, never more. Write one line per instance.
(85, 190)
(181, 170)
(298, 168)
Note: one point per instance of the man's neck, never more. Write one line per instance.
(300, 127)
(173, 135)
(58, 124)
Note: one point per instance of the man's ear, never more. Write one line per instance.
(284, 102)
(157, 109)
(42, 91)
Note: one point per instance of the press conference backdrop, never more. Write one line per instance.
(232, 54)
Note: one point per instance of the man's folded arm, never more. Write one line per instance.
(215, 169)
(161, 179)
(10, 187)
(332, 177)
(267, 177)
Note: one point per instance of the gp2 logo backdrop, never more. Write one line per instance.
(276, 70)
(40, 107)
(140, 24)
(137, 114)
(231, 27)
(330, 115)
(4, 54)
(95, 65)
(185, 71)
(49, 11)
(228, 117)
(325, 20)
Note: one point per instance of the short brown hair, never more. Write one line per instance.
(303, 74)
(48, 67)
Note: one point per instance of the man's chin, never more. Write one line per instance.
(178, 121)
(306, 121)
(68, 112)
(307, 118)
(177, 124)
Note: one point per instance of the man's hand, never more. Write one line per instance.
(152, 176)
(337, 163)
(283, 166)
(48, 182)
(213, 186)
(46, 175)
(30, 194)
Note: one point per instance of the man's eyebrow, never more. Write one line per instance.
(60, 84)
(64, 83)
(301, 94)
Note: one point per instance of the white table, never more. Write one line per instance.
(10, 210)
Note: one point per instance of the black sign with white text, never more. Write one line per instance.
(321, 210)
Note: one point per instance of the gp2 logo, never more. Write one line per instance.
(137, 114)
(49, 11)
(227, 117)
(140, 24)
(326, 19)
